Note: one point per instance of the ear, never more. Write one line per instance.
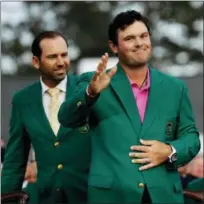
(36, 62)
(113, 47)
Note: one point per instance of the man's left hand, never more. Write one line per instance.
(151, 153)
(31, 172)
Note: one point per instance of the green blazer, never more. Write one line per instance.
(62, 160)
(115, 124)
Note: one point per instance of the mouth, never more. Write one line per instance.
(140, 50)
(60, 71)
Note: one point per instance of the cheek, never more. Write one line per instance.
(47, 63)
(148, 44)
(67, 62)
(124, 47)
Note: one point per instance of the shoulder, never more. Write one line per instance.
(73, 76)
(86, 76)
(25, 93)
(174, 82)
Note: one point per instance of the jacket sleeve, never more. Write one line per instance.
(75, 111)
(187, 143)
(16, 155)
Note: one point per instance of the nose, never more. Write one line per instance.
(138, 42)
(60, 61)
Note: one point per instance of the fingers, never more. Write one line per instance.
(30, 177)
(103, 63)
(141, 161)
(147, 166)
(141, 158)
(140, 148)
(112, 71)
(32, 180)
(101, 66)
(138, 155)
(147, 142)
(97, 72)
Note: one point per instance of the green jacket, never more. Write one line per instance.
(62, 160)
(114, 120)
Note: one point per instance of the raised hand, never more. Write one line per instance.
(101, 78)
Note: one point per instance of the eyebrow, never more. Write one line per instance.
(54, 54)
(131, 35)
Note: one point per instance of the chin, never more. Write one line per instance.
(136, 65)
(60, 78)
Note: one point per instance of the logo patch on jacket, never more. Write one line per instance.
(169, 128)
(84, 129)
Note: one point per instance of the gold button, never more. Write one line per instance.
(141, 185)
(56, 144)
(79, 103)
(60, 166)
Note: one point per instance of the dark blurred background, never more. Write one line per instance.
(177, 38)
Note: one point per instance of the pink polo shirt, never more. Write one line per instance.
(141, 96)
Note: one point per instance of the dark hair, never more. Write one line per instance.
(124, 19)
(35, 48)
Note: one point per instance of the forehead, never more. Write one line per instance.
(136, 28)
(53, 45)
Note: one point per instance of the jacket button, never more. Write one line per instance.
(56, 144)
(79, 104)
(60, 166)
(141, 185)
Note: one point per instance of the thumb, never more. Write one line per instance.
(112, 72)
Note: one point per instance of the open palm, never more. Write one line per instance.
(101, 78)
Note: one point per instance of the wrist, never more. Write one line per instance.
(169, 150)
(90, 92)
(173, 155)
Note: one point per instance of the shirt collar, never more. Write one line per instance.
(62, 85)
(147, 83)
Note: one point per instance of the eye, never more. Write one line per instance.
(51, 56)
(65, 55)
(145, 35)
(128, 38)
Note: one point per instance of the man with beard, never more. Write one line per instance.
(141, 119)
(62, 154)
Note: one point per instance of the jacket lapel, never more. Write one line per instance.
(154, 100)
(71, 84)
(36, 105)
(122, 88)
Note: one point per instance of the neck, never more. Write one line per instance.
(135, 74)
(50, 83)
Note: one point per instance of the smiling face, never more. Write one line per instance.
(54, 61)
(134, 45)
